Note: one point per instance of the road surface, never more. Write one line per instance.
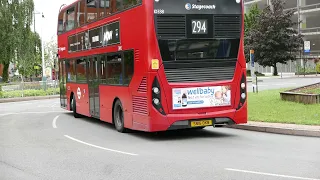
(288, 82)
(38, 140)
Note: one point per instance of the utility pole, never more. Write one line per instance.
(299, 33)
(42, 48)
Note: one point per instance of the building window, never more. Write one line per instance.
(92, 10)
(81, 13)
(103, 6)
(114, 69)
(130, 3)
(128, 60)
(119, 5)
(81, 71)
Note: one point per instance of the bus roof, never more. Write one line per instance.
(66, 6)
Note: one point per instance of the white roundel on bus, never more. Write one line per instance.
(79, 93)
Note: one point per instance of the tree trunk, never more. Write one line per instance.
(275, 72)
(5, 74)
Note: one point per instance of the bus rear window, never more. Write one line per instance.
(199, 49)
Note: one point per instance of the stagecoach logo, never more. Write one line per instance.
(188, 6)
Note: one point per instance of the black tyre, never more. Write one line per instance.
(118, 117)
(74, 107)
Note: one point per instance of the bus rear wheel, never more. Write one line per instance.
(118, 117)
(74, 107)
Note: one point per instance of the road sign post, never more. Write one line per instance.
(306, 50)
(307, 46)
(253, 75)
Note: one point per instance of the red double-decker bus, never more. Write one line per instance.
(153, 65)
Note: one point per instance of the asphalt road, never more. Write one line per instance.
(38, 140)
(287, 82)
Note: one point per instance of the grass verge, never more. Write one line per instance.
(29, 93)
(266, 106)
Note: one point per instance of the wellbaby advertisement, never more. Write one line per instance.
(200, 97)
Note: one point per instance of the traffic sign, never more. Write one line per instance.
(306, 46)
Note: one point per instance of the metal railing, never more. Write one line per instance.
(310, 30)
(24, 89)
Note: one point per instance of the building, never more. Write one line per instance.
(10, 70)
(306, 11)
(1, 69)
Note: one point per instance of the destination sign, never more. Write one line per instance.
(102, 36)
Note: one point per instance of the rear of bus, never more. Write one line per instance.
(197, 66)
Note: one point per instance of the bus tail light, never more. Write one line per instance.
(243, 92)
(156, 96)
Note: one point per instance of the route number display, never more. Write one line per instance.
(199, 26)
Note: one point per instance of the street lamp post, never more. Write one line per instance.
(42, 56)
(42, 50)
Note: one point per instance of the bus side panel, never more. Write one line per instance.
(241, 115)
(81, 93)
(137, 122)
(108, 94)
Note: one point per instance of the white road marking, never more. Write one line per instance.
(269, 174)
(54, 122)
(43, 112)
(99, 147)
(49, 106)
(264, 85)
(283, 84)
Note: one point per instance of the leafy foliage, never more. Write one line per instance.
(50, 53)
(30, 92)
(250, 22)
(30, 56)
(318, 67)
(17, 42)
(273, 38)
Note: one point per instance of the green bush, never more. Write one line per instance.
(256, 73)
(1, 93)
(31, 92)
(318, 67)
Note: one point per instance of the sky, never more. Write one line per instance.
(50, 9)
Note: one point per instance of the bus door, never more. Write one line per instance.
(93, 83)
(62, 81)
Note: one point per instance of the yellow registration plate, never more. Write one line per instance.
(201, 123)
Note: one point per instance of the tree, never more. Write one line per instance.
(250, 22)
(15, 20)
(273, 38)
(51, 50)
(30, 56)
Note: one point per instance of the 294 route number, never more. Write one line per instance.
(199, 27)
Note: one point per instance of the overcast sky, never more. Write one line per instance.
(50, 9)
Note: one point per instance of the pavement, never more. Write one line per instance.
(269, 83)
(39, 140)
(279, 128)
(20, 99)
